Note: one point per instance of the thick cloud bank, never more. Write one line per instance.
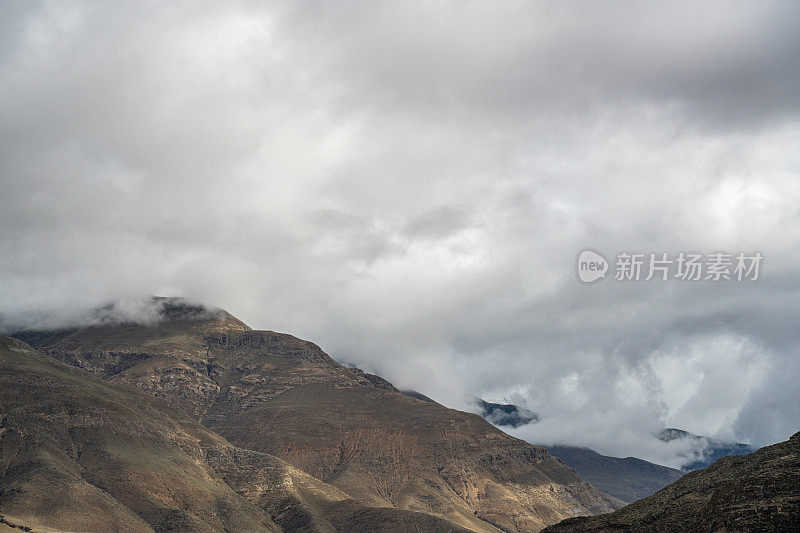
(409, 185)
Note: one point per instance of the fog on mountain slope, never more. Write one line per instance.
(504, 414)
(628, 479)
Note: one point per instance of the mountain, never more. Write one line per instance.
(755, 492)
(81, 454)
(273, 393)
(711, 449)
(506, 414)
(628, 479)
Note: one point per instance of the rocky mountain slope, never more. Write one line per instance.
(756, 492)
(274, 393)
(81, 454)
(628, 479)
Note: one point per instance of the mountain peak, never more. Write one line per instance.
(708, 449)
(506, 414)
(171, 309)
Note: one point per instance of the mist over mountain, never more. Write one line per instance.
(506, 414)
(696, 451)
(709, 449)
(629, 478)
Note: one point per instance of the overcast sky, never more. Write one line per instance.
(409, 185)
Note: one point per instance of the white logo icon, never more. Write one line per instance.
(591, 266)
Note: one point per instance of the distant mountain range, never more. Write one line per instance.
(263, 431)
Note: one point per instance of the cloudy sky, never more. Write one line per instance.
(409, 185)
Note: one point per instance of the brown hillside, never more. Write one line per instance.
(80, 454)
(274, 393)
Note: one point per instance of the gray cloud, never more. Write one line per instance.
(409, 185)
